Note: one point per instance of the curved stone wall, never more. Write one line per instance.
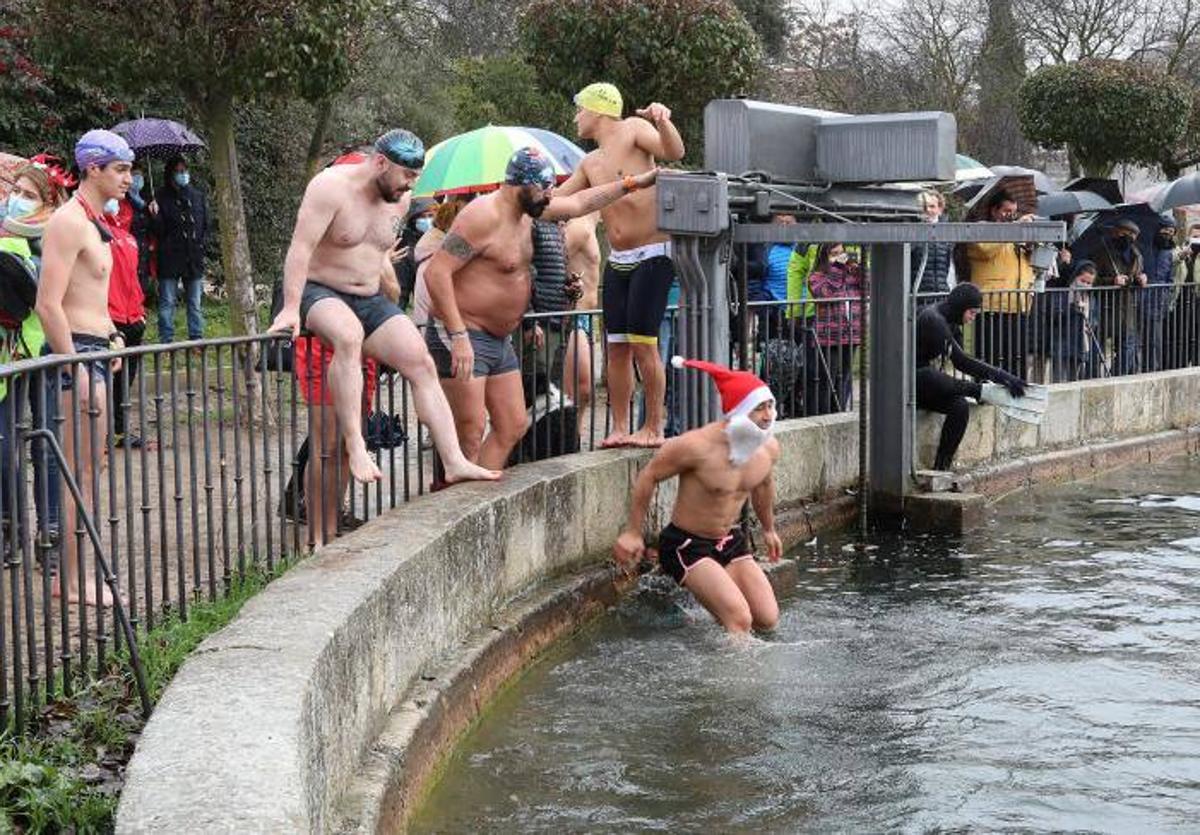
(266, 725)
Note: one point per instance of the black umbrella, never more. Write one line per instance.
(1094, 239)
(1060, 203)
(1110, 190)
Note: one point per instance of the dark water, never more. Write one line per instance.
(1043, 675)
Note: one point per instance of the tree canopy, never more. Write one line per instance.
(682, 53)
(1105, 112)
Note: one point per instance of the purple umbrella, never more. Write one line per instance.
(159, 138)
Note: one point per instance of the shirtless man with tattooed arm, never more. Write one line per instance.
(480, 287)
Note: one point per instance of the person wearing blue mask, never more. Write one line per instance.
(417, 222)
(180, 220)
(139, 223)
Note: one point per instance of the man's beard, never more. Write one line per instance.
(531, 207)
(745, 437)
(389, 195)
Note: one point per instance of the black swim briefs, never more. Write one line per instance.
(98, 370)
(493, 356)
(635, 293)
(679, 550)
(372, 311)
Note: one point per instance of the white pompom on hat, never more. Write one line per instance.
(741, 391)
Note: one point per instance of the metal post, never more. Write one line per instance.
(889, 445)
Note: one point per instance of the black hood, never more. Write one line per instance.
(961, 299)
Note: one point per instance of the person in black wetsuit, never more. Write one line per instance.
(939, 335)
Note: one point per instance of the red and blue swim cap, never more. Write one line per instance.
(529, 167)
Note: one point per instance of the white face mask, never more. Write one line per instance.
(745, 437)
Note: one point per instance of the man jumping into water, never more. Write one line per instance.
(639, 272)
(480, 287)
(331, 286)
(719, 466)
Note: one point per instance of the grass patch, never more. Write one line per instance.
(66, 773)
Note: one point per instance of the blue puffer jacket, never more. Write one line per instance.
(766, 278)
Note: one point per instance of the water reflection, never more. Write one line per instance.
(1040, 675)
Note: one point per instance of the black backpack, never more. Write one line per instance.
(18, 289)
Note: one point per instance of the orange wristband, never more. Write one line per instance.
(629, 183)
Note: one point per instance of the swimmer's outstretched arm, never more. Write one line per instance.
(596, 198)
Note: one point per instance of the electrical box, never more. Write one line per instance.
(887, 148)
(742, 135)
(803, 145)
(693, 204)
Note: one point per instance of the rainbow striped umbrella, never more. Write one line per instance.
(475, 161)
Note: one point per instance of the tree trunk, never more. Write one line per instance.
(998, 138)
(235, 242)
(316, 143)
(231, 217)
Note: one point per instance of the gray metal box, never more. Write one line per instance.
(887, 148)
(693, 204)
(742, 135)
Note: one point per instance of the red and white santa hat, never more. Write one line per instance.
(741, 391)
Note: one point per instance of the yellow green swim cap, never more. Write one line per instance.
(602, 98)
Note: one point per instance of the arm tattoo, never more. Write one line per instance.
(458, 247)
(601, 197)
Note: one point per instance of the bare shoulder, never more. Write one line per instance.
(773, 448)
(68, 225)
(327, 185)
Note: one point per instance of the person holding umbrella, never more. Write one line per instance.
(1119, 263)
(180, 219)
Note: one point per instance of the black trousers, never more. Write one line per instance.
(939, 392)
(133, 334)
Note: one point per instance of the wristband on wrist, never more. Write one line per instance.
(629, 183)
(456, 334)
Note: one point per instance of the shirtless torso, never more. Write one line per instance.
(77, 266)
(711, 489)
(353, 228)
(583, 257)
(628, 147)
(493, 288)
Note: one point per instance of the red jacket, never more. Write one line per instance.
(125, 296)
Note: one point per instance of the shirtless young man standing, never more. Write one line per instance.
(719, 466)
(639, 272)
(480, 287)
(72, 304)
(331, 286)
(583, 262)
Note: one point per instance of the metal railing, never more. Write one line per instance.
(199, 461)
(1061, 334)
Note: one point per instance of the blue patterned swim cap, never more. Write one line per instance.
(529, 167)
(402, 147)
